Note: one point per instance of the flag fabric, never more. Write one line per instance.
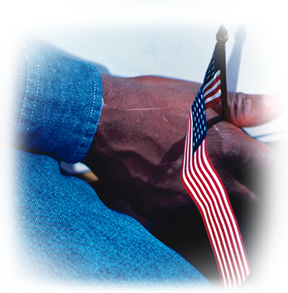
(205, 187)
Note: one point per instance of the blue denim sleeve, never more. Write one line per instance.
(58, 105)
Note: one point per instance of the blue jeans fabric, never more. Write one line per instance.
(65, 232)
(58, 105)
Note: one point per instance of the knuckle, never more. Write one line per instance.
(239, 107)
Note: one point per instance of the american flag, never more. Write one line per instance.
(205, 187)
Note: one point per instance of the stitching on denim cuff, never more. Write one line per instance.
(90, 117)
(23, 113)
(37, 91)
(26, 91)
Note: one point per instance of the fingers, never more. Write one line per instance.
(240, 160)
(254, 154)
(250, 110)
(236, 148)
(239, 191)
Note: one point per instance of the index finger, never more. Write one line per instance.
(246, 110)
(230, 145)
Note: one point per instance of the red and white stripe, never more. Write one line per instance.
(212, 91)
(207, 191)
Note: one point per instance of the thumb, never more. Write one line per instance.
(241, 192)
(250, 110)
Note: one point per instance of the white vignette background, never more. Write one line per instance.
(21, 16)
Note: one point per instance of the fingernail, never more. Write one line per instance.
(271, 101)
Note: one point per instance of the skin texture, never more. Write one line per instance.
(137, 155)
(137, 149)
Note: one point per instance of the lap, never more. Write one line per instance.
(67, 233)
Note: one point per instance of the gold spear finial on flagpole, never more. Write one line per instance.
(222, 38)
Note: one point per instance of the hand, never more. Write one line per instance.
(137, 150)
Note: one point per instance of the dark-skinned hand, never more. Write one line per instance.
(137, 150)
(137, 155)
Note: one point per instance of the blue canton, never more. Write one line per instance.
(199, 120)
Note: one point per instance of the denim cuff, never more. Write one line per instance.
(59, 105)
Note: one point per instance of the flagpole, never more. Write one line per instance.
(222, 38)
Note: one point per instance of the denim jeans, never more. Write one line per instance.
(64, 230)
